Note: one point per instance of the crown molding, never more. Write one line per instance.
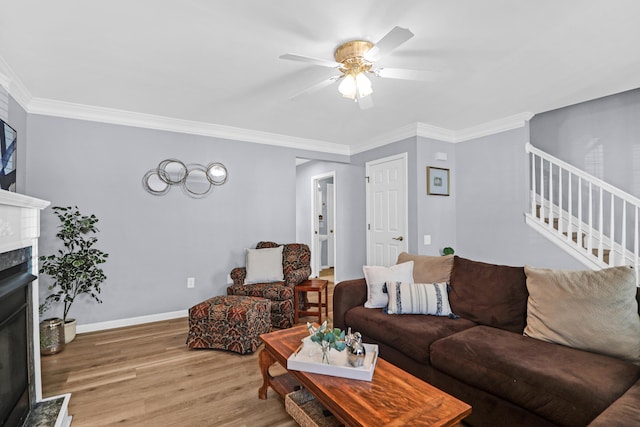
(441, 134)
(408, 131)
(495, 126)
(127, 118)
(54, 108)
(434, 132)
(14, 85)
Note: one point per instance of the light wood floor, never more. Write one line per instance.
(145, 376)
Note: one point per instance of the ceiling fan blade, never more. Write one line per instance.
(404, 74)
(311, 60)
(389, 42)
(365, 102)
(317, 86)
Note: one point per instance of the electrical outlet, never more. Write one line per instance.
(191, 282)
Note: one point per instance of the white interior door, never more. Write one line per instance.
(387, 223)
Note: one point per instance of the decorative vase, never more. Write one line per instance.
(355, 349)
(69, 330)
(325, 352)
(51, 336)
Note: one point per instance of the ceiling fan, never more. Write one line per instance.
(355, 59)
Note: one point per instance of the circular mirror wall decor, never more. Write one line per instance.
(196, 180)
(154, 184)
(172, 171)
(217, 173)
(196, 183)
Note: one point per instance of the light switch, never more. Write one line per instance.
(427, 239)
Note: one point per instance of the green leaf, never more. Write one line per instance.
(340, 345)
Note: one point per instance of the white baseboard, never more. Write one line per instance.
(111, 324)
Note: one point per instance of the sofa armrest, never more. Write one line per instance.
(623, 412)
(346, 295)
(238, 274)
(297, 276)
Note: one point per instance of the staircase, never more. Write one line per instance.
(591, 220)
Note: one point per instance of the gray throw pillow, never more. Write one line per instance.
(264, 265)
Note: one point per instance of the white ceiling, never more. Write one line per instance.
(216, 62)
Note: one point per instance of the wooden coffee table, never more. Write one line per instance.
(393, 398)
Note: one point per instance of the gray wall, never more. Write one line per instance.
(493, 187)
(610, 125)
(155, 243)
(436, 215)
(350, 218)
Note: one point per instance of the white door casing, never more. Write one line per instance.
(330, 224)
(387, 210)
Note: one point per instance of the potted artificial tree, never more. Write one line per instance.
(75, 269)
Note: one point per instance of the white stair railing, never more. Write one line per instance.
(594, 221)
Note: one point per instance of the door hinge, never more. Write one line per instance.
(367, 179)
(368, 226)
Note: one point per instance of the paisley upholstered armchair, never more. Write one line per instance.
(296, 268)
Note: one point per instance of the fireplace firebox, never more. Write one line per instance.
(15, 396)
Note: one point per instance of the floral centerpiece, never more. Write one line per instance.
(327, 338)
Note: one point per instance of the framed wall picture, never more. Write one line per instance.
(437, 181)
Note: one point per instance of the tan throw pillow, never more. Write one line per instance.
(594, 311)
(429, 269)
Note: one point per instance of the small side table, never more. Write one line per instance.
(312, 285)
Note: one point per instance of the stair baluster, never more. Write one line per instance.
(557, 214)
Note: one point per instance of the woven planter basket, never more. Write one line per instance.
(307, 411)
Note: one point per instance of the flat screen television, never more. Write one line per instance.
(8, 142)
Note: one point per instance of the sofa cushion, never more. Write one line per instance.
(429, 269)
(376, 277)
(489, 294)
(564, 385)
(411, 334)
(623, 412)
(590, 310)
(418, 298)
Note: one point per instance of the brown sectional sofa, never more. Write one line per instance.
(483, 358)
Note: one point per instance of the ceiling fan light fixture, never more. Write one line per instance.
(355, 59)
(364, 85)
(348, 87)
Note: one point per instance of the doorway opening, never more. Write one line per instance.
(323, 225)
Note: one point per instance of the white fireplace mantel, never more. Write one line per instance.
(19, 220)
(20, 228)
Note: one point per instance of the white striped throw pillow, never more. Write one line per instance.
(418, 298)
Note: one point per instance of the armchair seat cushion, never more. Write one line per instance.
(275, 291)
